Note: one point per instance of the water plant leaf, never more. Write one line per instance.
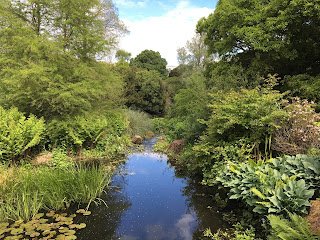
(80, 226)
(86, 213)
(16, 231)
(50, 214)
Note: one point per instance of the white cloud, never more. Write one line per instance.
(131, 3)
(164, 33)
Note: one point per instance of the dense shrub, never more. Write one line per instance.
(304, 86)
(190, 106)
(89, 131)
(18, 134)
(246, 114)
(299, 133)
(236, 233)
(144, 91)
(204, 158)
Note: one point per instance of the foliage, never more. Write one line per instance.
(246, 114)
(86, 29)
(264, 34)
(305, 87)
(60, 159)
(194, 53)
(299, 133)
(226, 76)
(267, 189)
(210, 160)
(301, 166)
(123, 56)
(38, 76)
(237, 233)
(144, 91)
(162, 145)
(296, 228)
(105, 132)
(139, 122)
(190, 105)
(49, 188)
(150, 60)
(18, 134)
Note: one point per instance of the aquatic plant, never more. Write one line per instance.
(50, 225)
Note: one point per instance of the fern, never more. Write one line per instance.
(296, 228)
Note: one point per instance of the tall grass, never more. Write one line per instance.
(49, 188)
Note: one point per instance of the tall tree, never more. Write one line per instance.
(123, 56)
(144, 91)
(39, 77)
(280, 36)
(88, 29)
(150, 60)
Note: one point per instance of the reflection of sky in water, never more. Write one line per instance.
(158, 208)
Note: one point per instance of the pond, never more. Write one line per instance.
(147, 200)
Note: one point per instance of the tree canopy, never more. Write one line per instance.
(278, 36)
(150, 60)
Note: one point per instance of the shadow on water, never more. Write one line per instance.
(148, 201)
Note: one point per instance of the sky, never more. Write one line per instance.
(162, 26)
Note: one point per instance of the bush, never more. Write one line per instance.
(18, 134)
(304, 86)
(208, 160)
(89, 131)
(190, 105)
(296, 228)
(299, 133)
(144, 91)
(245, 114)
(139, 122)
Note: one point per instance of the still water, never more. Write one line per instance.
(147, 201)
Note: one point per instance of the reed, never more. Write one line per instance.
(50, 188)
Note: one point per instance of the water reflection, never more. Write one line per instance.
(149, 202)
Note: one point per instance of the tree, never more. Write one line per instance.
(88, 29)
(144, 91)
(123, 56)
(183, 56)
(38, 77)
(150, 60)
(194, 53)
(278, 36)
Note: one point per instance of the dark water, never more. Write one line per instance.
(148, 201)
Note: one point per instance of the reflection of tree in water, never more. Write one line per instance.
(201, 201)
(103, 222)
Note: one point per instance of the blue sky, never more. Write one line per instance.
(162, 26)
(137, 9)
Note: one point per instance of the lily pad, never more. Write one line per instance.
(81, 226)
(16, 231)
